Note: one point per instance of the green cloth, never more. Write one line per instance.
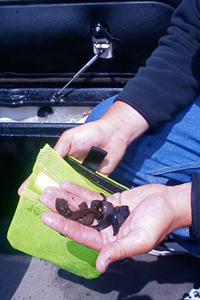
(29, 234)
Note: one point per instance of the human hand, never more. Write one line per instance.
(113, 132)
(156, 210)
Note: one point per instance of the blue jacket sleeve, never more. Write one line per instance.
(170, 81)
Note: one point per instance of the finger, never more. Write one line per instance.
(113, 157)
(109, 163)
(79, 191)
(49, 201)
(22, 186)
(74, 142)
(50, 195)
(121, 248)
(79, 233)
(62, 146)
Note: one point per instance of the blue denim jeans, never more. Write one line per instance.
(170, 155)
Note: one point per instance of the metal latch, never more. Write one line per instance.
(102, 47)
(102, 39)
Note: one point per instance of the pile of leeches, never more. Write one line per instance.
(101, 210)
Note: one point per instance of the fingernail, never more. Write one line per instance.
(46, 219)
(42, 199)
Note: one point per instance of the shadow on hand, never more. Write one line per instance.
(129, 276)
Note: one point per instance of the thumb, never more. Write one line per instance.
(112, 252)
(124, 247)
(22, 187)
(62, 146)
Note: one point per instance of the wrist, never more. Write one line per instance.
(124, 121)
(180, 198)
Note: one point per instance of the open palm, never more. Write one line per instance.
(152, 218)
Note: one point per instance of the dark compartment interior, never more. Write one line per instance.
(55, 38)
(43, 44)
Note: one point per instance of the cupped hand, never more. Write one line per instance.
(155, 212)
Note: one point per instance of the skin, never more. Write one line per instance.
(112, 133)
(155, 211)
